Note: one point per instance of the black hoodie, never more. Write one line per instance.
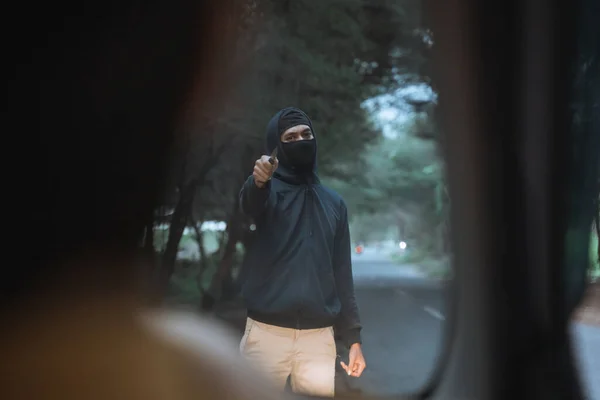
(298, 271)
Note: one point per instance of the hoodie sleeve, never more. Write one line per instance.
(253, 199)
(348, 323)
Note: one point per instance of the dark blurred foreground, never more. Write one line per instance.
(96, 92)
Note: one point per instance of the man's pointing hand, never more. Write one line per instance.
(264, 168)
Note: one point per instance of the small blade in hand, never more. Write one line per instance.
(273, 156)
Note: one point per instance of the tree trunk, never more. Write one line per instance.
(149, 263)
(200, 241)
(597, 221)
(222, 241)
(229, 252)
(149, 237)
(598, 247)
(184, 207)
(223, 272)
(203, 260)
(179, 221)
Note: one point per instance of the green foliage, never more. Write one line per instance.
(432, 267)
(210, 240)
(594, 260)
(327, 58)
(403, 186)
(321, 56)
(183, 286)
(405, 169)
(307, 59)
(190, 280)
(324, 57)
(415, 256)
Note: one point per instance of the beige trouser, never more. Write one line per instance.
(307, 356)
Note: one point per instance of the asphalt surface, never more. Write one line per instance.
(403, 316)
(587, 343)
(404, 319)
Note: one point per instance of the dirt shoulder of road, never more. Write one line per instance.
(589, 311)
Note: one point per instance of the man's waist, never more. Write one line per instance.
(295, 320)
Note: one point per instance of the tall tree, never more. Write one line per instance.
(324, 57)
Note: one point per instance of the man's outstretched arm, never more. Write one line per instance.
(255, 191)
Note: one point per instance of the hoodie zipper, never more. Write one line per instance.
(308, 204)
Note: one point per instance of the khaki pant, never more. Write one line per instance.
(307, 356)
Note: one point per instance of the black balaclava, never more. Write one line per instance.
(298, 157)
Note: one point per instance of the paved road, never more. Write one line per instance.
(403, 315)
(403, 319)
(587, 343)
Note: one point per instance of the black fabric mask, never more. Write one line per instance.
(300, 155)
(297, 160)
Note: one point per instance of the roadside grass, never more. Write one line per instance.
(435, 267)
(594, 270)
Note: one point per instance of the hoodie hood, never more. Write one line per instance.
(279, 123)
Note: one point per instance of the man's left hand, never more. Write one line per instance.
(356, 361)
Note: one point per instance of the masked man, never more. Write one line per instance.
(297, 276)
